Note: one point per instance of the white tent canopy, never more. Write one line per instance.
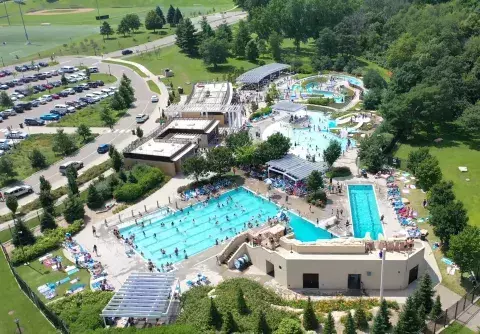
(294, 167)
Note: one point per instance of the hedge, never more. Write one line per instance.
(147, 178)
(339, 172)
(49, 241)
(260, 113)
(320, 101)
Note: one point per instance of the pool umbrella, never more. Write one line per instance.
(268, 181)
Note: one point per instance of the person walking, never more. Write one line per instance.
(94, 231)
(95, 250)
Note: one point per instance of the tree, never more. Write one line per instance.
(224, 32)
(310, 321)
(177, 17)
(329, 325)
(360, 317)
(64, 80)
(127, 94)
(242, 37)
(214, 51)
(63, 144)
(422, 316)
(117, 102)
(350, 324)
(241, 304)
(72, 180)
(117, 161)
(373, 79)
(47, 222)
(371, 154)
(94, 199)
(251, 50)
(238, 139)
(246, 155)
(107, 117)
(214, 317)
(5, 100)
(441, 194)
(379, 325)
(469, 121)
(21, 234)
(289, 326)
(373, 99)
(425, 293)
(332, 152)
(275, 43)
(415, 158)
(12, 204)
(133, 21)
(465, 249)
(261, 325)
(123, 27)
(73, 209)
(186, 37)
(106, 30)
(46, 199)
(448, 220)
(408, 322)
(195, 166)
(229, 325)
(436, 309)
(6, 168)
(153, 21)
(385, 314)
(207, 31)
(315, 181)
(84, 131)
(326, 43)
(139, 132)
(262, 46)
(220, 160)
(159, 12)
(37, 159)
(171, 15)
(279, 145)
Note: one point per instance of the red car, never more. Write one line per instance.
(55, 96)
(48, 86)
(2, 74)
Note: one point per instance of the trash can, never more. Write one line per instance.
(180, 90)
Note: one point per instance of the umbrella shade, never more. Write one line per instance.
(268, 181)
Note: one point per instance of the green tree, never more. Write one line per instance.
(133, 21)
(12, 204)
(224, 32)
(117, 161)
(469, 121)
(125, 91)
(214, 317)
(46, 198)
(207, 31)
(275, 44)
(123, 27)
(139, 132)
(64, 80)
(195, 166)
(279, 145)
(107, 117)
(332, 152)
(379, 325)
(241, 303)
(441, 194)
(37, 159)
(229, 325)
(72, 180)
(117, 102)
(106, 30)
(385, 314)
(186, 37)
(315, 181)
(74, 209)
(262, 46)
(159, 12)
(261, 325)
(422, 316)
(373, 99)
(408, 322)
(63, 144)
(326, 43)
(238, 139)
(426, 292)
(350, 324)
(436, 309)
(6, 168)
(5, 100)
(289, 326)
(178, 17)
(84, 131)
(448, 220)
(329, 325)
(371, 154)
(214, 51)
(242, 37)
(310, 321)
(251, 50)
(373, 79)
(21, 234)
(465, 249)
(94, 199)
(415, 158)
(47, 222)
(153, 21)
(220, 160)
(360, 317)
(246, 155)
(171, 15)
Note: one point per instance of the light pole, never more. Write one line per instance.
(98, 9)
(20, 2)
(384, 253)
(110, 72)
(19, 329)
(6, 12)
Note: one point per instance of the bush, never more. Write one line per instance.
(317, 198)
(260, 113)
(44, 244)
(339, 172)
(147, 179)
(320, 101)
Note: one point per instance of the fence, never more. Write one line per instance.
(455, 311)
(52, 317)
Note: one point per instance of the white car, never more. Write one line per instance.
(71, 80)
(113, 88)
(13, 98)
(41, 100)
(141, 118)
(48, 98)
(154, 98)
(94, 97)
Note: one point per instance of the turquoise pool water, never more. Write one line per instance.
(197, 228)
(312, 89)
(351, 79)
(364, 209)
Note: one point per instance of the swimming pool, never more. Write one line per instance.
(196, 229)
(313, 89)
(364, 210)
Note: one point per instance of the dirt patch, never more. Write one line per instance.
(61, 11)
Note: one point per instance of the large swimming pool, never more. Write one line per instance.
(364, 209)
(196, 228)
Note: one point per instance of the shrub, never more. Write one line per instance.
(317, 198)
(49, 241)
(339, 172)
(128, 192)
(262, 112)
(147, 179)
(320, 101)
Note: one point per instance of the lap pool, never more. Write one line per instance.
(364, 209)
(196, 228)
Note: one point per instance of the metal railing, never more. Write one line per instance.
(138, 142)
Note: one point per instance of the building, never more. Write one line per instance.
(168, 146)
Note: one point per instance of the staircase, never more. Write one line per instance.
(230, 254)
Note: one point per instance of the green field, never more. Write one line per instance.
(130, 66)
(36, 274)
(15, 305)
(457, 328)
(153, 86)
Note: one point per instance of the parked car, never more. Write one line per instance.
(3, 115)
(78, 89)
(127, 52)
(76, 164)
(103, 148)
(85, 86)
(48, 98)
(92, 84)
(58, 112)
(63, 93)
(100, 82)
(16, 135)
(141, 118)
(56, 83)
(50, 117)
(18, 191)
(9, 112)
(43, 64)
(48, 86)
(25, 105)
(35, 103)
(34, 121)
(4, 87)
(55, 96)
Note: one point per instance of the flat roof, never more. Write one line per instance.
(210, 93)
(199, 124)
(178, 109)
(288, 106)
(184, 136)
(164, 148)
(258, 74)
(295, 167)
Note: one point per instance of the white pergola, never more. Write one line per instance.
(144, 295)
(295, 168)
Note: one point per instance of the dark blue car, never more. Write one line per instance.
(103, 148)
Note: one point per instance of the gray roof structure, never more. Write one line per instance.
(296, 168)
(289, 106)
(143, 295)
(258, 74)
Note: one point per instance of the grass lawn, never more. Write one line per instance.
(153, 86)
(386, 74)
(130, 66)
(457, 328)
(105, 77)
(5, 235)
(19, 155)
(15, 305)
(37, 274)
(89, 115)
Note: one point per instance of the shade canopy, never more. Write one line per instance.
(296, 168)
(256, 75)
(288, 106)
